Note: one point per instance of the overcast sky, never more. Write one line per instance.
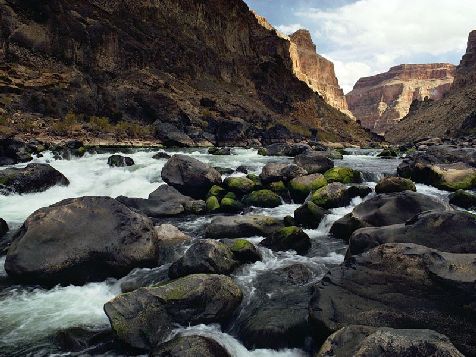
(366, 37)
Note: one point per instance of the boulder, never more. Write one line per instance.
(81, 240)
(359, 191)
(242, 226)
(388, 154)
(262, 198)
(190, 176)
(83, 341)
(224, 170)
(190, 346)
(360, 341)
(272, 172)
(393, 184)
(301, 187)
(145, 317)
(217, 191)
(385, 210)
(3, 227)
(170, 241)
(239, 185)
(450, 231)
(219, 151)
(119, 161)
(213, 205)
(331, 196)
(309, 215)
(204, 256)
(161, 155)
(231, 205)
(32, 178)
(276, 316)
(463, 199)
(400, 286)
(142, 277)
(13, 151)
(284, 149)
(314, 162)
(288, 238)
(243, 251)
(343, 175)
(171, 136)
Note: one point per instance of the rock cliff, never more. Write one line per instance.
(455, 115)
(207, 67)
(381, 101)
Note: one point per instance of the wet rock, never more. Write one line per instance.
(81, 240)
(360, 341)
(446, 231)
(284, 149)
(217, 191)
(3, 227)
(463, 199)
(190, 176)
(281, 190)
(161, 155)
(213, 205)
(231, 205)
(309, 215)
(262, 198)
(314, 162)
(79, 339)
(32, 178)
(394, 184)
(398, 286)
(239, 185)
(385, 210)
(13, 151)
(243, 251)
(190, 346)
(142, 277)
(224, 170)
(170, 241)
(359, 191)
(388, 154)
(331, 196)
(242, 226)
(343, 175)
(204, 256)
(219, 151)
(277, 314)
(280, 172)
(242, 169)
(301, 187)
(146, 316)
(171, 136)
(288, 238)
(289, 221)
(119, 161)
(262, 152)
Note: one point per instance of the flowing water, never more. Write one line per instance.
(29, 316)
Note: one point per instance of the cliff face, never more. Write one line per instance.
(380, 102)
(201, 65)
(315, 70)
(452, 116)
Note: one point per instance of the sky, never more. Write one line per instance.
(367, 37)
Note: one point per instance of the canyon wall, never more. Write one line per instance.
(454, 115)
(381, 101)
(208, 67)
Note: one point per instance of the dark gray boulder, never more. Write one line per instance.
(309, 215)
(120, 161)
(288, 238)
(463, 199)
(81, 240)
(32, 178)
(172, 136)
(190, 176)
(190, 346)
(273, 172)
(242, 226)
(161, 155)
(360, 341)
(393, 184)
(284, 149)
(314, 162)
(453, 232)
(3, 227)
(145, 317)
(243, 251)
(400, 286)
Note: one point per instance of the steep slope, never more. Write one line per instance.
(455, 115)
(380, 102)
(208, 67)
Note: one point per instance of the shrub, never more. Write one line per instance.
(100, 124)
(66, 126)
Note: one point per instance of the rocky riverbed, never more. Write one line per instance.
(227, 252)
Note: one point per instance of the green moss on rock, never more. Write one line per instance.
(263, 198)
(343, 175)
(239, 185)
(216, 191)
(212, 204)
(301, 187)
(231, 205)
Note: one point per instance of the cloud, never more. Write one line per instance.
(369, 36)
(289, 29)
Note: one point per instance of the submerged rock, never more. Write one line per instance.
(288, 238)
(190, 176)
(32, 178)
(120, 161)
(190, 346)
(146, 316)
(314, 162)
(360, 341)
(394, 184)
(400, 285)
(81, 240)
(242, 226)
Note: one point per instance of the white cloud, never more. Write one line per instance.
(289, 29)
(369, 36)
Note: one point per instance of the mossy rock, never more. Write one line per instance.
(331, 196)
(230, 205)
(388, 154)
(455, 177)
(216, 191)
(262, 198)
(230, 195)
(213, 204)
(262, 152)
(289, 221)
(395, 184)
(239, 185)
(309, 215)
(301, 187)
(343, 175)
(256, 179)
(463, 199)
(288, 238)
(243, 251)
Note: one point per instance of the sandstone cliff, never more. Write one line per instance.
(380, 102)
(454, 115)
(208, 67)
